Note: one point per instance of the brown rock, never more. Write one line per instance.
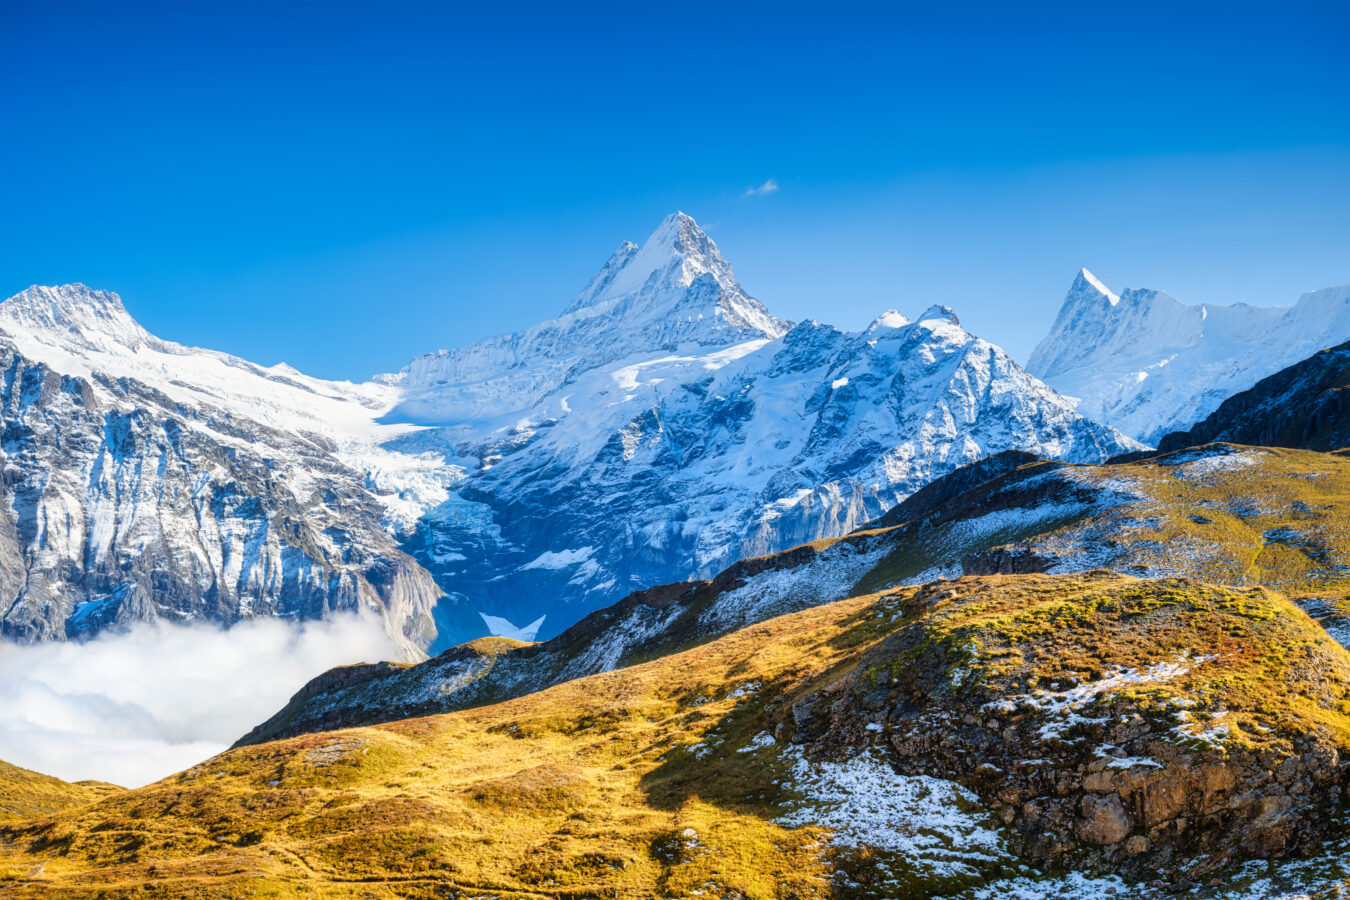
(1163, 798)
(1104, 820)
(1099, 782)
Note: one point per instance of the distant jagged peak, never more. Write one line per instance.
(890, 319)
(674, 291)
(72, 313)
(598, 285)
(939, 312)
(676, 253)
(1089, 285)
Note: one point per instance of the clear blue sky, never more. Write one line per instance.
(344, 186)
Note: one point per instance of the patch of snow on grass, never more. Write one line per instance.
(603, 655)
(1004, 523)
(1124, 762)
(1073, 886)
(1319, 877)
(744, 690)
(1211, 734)
(925, 821)
(759, 742)
(952, 570)
(1211, 463)
(1061, 707)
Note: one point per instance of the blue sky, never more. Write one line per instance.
(344, 186)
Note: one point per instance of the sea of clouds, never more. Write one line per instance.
(133, 708)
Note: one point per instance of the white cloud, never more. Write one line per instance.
(133, 708)
(768, 187)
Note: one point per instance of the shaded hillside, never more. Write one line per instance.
(882, 745)
(1306, 405)
(1244, 516)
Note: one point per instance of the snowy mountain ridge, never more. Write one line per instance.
(1147, 363)
(664, 425)
(676, 290)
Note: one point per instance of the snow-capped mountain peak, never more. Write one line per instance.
(674, 293)
(890, 319)
(85, 333)
(1147, 363)
(941, 313)
(599, 286)
(677, 252)
(662, 426)
(74, 315)
(1086, 283)
(663, 276)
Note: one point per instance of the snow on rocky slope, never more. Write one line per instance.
(1149, 364)
(663, 426)
(1305, 405)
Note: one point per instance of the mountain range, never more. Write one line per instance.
(963, 702)
(665, 425)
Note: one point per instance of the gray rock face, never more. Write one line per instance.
(124, 506)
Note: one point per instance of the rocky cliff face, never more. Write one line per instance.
(125, 504)
(1128, 726)
(1149, 364)
(1306, 405)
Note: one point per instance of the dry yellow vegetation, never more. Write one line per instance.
(661, 779)
(25, 794)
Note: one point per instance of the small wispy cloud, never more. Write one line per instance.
(768, 187)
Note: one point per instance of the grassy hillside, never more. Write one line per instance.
(25, 794)
(763, 764)
(1243, 516)
(1240, 515)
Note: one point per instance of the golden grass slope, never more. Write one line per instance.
(1222, 513)
(25, 794)
(664, 779)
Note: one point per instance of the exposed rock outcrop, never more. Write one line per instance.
(1123, 725)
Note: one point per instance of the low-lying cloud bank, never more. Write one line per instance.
(133, 708)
